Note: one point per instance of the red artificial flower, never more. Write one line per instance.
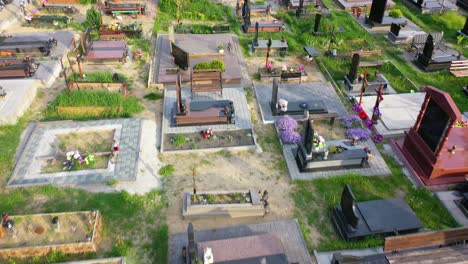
(362, 114)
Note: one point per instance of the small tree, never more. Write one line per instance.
(93, 18)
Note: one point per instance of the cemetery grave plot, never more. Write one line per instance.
(37, 234)
(430, 6)
(190, 49)
(48, 153)
(96, 143)
(18, 68)
(102, 51)
(122, 8)
(435, 149)
(437, 57)
(404, 33)
(378, 20)
(263, 26)
(221, 139)
(320, 92)
(349, 5)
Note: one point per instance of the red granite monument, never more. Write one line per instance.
(436, 148)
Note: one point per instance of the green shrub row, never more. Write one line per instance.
(205, 65)
(96, 77)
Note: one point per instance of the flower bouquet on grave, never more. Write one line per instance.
(89, 160)
(358, 134)
(208, 133)
(351, 121)
(269, 67)
(377, 115)
(461, 124)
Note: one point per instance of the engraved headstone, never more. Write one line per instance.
(191, 244)
(308, 136)
(179, 94)
(428, 50)
(377, 10)
(274, 95)
(353, 71)
(255, 41)
(395, 29)
(318, 17)
(420, 3)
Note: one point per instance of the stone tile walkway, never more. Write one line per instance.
(237, 95)
(377, 165)
(288, 231)
(297, 92)
(447, 198)
(127, 135)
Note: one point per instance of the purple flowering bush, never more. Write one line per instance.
(351, 121)
(290, 137)
(286, 123)
(359, 133)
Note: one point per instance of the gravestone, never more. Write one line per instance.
(353, 71)
(348, 205)
(465, 28)
(420, 3)
(192, 247)
(308, 136)
(255, 41)
(246, 14)
(428, 50)
(318, 17)
(395, 29)
(274, 94)
(377, 11)
(435, 147)
(299, 10)
(180, 106)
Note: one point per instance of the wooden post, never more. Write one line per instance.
(178, 94)
(66, 80)
(78, 61)
(268, 53)
(377, 103)
(71, 65)
(83, 42)
(363, 89)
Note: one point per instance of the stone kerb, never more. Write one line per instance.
(233, 210)
(111, 87)
(66, 248)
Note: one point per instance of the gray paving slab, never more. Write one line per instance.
(288, 232)
(326, 257)
(20, 94)
(10, 15)
(377, 165)
(320, 91)
(237, 95)
(38, 144)
(399, 112)
(447, 198)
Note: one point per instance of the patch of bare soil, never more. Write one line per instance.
(232, 138)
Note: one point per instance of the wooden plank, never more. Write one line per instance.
(452, 255)
(425, 239)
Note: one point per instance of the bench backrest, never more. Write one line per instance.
(459, 65)
(426, 239)
(206, 81)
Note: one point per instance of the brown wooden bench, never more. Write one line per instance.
(285, 77)
(330, 115)
(368, 53)
(206, 81)
(419, 240)
(459, 68)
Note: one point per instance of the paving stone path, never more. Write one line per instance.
(288, 231)
(125, 167)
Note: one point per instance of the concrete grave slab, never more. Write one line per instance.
(447, 198)
(20, 94)
(399, 112)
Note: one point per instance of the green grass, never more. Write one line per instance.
(338, 68)
(154, 96)
(130, 105)
(166, 171)
(97, 77)
(9, 140)
(313, 199)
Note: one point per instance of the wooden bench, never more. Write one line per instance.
(370, 64)
(291, 75)
(459, 68)
(330, 115)
(206, 81)
(368, 53)
(419, 240)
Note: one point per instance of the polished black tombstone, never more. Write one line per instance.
(395, 29)
(377, 12)
(318, 18)
(463, 4)
(192, 247)
(463, 204)
(295, 107)
(356, 220)
(255, 40)
(425, 57)
(351, 77)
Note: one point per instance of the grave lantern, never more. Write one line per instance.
(55, 222)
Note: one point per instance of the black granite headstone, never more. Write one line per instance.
(255, 41)
(353, 71)
(348, 205)
(274, 94)
(244, 9)
(191, 244)
(180, 105)
(420, 3)
(299, 10)
(318, 17)
(395, 29)
(465, 28)
(428, 50)
(377, 10)
(308, 136)
(247, 14)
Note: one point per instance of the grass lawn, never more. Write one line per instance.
(314, 199)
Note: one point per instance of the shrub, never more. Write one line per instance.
(93, 18)
(204, 65)
(217, 64)
(359, 133)
(166, 171)
(286, 123)
(351, 121)
(290, 137)
(200, 29)
(153, 96)
(395, 13)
